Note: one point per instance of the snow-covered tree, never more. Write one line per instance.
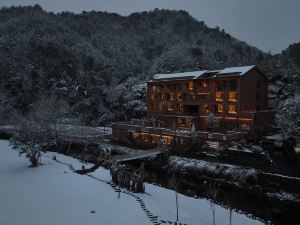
(288, 116)
(50, 111)
(211, 121)
(31, 138)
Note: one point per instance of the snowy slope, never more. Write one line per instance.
(53, 194)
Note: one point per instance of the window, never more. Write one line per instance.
(179, 97)
(232, 85)
(232, 109)
(232, 96)
(153, 88)
(179, 107)
(171, 96)
(184, 122)
(219, 108)
(190, 85)
(171, 107)
(179, 86)
(219, 96)
(204, 84)
(160, 107)
(220, 85)
(206, 108)
(168, 139)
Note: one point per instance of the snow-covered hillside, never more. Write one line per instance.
(54, 194)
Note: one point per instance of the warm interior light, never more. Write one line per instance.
(219, 96)
(232, 109)
(220, 108)
(206, 108)
(232, 96)
(191, 85)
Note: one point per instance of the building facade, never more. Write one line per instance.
(237, 97)
(207, 106)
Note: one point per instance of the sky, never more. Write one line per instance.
(271, 25)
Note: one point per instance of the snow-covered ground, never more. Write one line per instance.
(54, 194)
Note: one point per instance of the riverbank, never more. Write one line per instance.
(54, 194)
(268, 196)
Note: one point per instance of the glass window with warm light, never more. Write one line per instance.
(204, 84)
(179, 97)
(171, 107)
(190, 85)
(171, 96)
(206, 108)
(219, 96)
(232, 109)
(219, 108)
(232, 96)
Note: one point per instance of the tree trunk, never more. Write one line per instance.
(176, 194)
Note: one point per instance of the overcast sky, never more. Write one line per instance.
(266, 24)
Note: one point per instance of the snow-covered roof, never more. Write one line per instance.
(196, 74)
(192, 75)
(239, 70)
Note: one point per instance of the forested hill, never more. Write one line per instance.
(98, 61)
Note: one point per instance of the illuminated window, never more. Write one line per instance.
(170, 107)
(168, 139)
(171, 96)
(184, 122)
(144, 136)
(219, 108)
(219, 96)
(190, 85)
(153, 87)
(179, 97)
(232, 96)
(232, 109)
(204, 84)
(206, 108)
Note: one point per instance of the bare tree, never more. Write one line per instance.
(176, 182)
(212, 192)
(230, 209)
